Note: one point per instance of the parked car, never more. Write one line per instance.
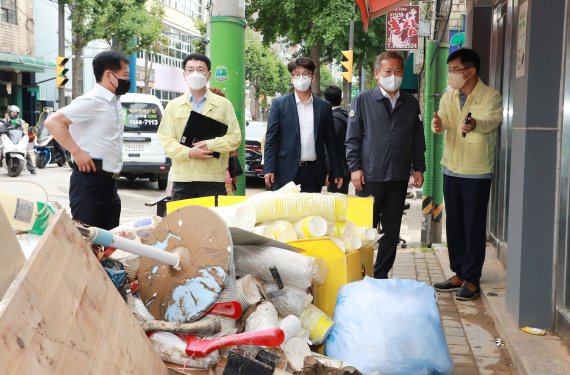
(254, 140)
(143, 155)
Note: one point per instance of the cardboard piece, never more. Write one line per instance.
(10, 252)
(63, 315)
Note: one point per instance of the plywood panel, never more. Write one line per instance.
(63, 315)
(10, 252)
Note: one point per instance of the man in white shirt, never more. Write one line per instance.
(299, 127)
(91, 129)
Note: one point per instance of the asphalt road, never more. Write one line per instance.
(54, 181)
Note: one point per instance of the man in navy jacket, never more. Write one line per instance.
(299, 127)
(384, 142)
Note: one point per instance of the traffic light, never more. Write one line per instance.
(348, 65)
(61, 71)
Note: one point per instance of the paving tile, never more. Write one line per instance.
(456, 340)
(462, 360)
(459, 349)
(451, 323)
(463, 370)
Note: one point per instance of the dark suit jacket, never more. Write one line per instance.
(282, 152)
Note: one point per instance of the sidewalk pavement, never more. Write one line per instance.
(481, 335)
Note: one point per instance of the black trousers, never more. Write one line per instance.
(197, 189)
(93, 199)
(308, 177)
(343, 189)
(466, 201)
(389, 199)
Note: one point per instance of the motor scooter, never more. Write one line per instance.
(46, 147)
(14, 148)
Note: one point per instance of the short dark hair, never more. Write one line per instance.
(108, 60)
(197, 57)
(333, 95)
(388, 55)
(468, 57)
(302, 61)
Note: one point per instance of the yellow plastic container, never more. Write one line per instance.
(204, 201)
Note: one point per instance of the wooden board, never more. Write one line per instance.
(63, 315)
(10, 252)
(203, 241)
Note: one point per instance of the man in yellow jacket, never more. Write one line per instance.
(469, 114)
(195, 172)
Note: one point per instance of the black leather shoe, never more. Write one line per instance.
(33, 171)
(453, 283)
(468, 292)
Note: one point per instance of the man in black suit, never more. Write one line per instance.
(299, 127)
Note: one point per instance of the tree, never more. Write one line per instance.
(127, 25)
(199, 44)
(320, 27)
(265, 72)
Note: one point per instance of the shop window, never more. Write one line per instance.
(9, 14)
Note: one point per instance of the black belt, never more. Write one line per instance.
(305, 163)
(114, 176)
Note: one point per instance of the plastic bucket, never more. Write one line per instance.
(317, 323)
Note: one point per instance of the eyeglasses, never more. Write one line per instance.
(457, 70)
(304, 75)
(199, 70)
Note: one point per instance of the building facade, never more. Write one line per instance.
(18, 62)
(525, 52)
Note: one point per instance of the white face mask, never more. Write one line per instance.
(456, 80)
(196, 80)
(302, 83)
(391, 83)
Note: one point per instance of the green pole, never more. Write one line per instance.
(429, 91)
(440, 86)
(227, 52)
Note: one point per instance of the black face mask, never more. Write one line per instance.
(123, 86)
(13, 117)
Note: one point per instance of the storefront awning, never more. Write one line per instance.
(24, 63)
(370, 9)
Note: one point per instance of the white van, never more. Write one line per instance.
(143, 155)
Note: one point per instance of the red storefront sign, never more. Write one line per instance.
(402, 28)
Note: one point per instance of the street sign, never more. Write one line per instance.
(402, 28)
(354, 92)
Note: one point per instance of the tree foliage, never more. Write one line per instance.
(265, 71)
(320, 27)
(127, 25)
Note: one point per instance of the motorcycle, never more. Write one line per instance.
(14, 148)
(46, 147)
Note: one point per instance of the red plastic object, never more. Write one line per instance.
(201, 348)
(230, 309)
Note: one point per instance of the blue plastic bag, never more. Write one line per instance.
(389, 327)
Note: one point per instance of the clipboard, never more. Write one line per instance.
(201, 128)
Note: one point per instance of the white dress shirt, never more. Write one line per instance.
(307, 129)
(97, 126)
(394, 99)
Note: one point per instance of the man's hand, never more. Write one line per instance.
(199, 153)
(84, 162)
(202, 144)
(357, 178)
(436, 123)
(468, 128)
(338, 181)
(418, 179)
(269, 179)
